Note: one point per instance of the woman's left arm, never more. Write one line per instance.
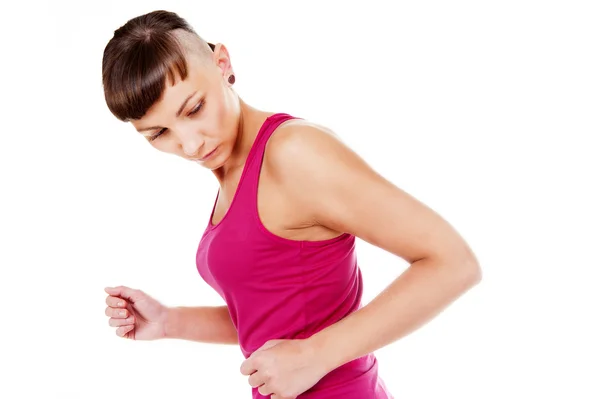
(341, 192)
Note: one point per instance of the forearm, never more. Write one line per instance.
(207, 324)
(425, 289)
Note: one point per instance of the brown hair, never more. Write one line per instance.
(140, 57)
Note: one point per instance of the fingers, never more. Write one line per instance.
(282, 397)
(264, 390)
(119, 317)
(116, 302)
(122, 331)
(269, 344)
(121, 322)
(255, 380)
(130, 294)
(117, 313)
(247, 368)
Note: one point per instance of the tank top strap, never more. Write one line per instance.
(248, 189)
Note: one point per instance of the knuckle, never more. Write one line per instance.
(259, 363)
(267, 375)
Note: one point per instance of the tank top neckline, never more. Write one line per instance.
(245, 171)
(250, 166)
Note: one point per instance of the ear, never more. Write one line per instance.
(222, 59)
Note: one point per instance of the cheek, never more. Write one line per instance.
(166, 145)
(225, 126)
(221, 116)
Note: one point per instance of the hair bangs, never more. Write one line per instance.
(134, 80)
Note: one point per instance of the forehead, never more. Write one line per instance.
(199, 78)
(174, 95)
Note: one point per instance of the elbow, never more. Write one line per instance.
(465, 269)
(468, 266)
(471, 271)
(476, 274)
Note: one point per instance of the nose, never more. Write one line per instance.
(191, 142)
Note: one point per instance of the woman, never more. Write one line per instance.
(279, 244)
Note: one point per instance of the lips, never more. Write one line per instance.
(208, 155)
(204, 158)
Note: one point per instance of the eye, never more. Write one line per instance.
(155, 136)
(197, 109)
(192, 112)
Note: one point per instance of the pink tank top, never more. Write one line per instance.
(276, 288)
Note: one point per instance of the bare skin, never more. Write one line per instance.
(312, 187)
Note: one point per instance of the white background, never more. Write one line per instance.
(486, 111)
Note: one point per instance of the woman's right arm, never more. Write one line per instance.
(207, 324)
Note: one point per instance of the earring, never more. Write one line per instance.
(231, 79)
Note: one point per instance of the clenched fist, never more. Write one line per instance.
(136, 314)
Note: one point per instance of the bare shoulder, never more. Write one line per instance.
(296, 132)
(299, 147)
(290, 167)
(337, 189)
(308, 161)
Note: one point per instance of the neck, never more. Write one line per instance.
(250, 121)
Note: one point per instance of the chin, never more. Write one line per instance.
(216, 163)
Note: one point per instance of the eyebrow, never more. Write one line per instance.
(179, 111)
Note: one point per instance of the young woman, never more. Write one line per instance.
(279, 245)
